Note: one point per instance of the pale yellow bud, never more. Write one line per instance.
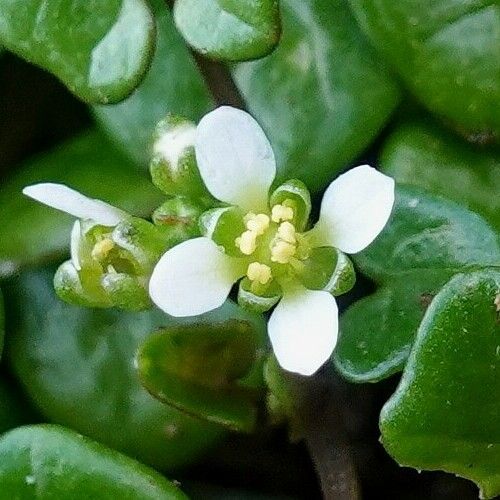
(259, 272)
(102, 248)
(247, 242)
(281, 213)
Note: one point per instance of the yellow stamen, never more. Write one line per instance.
(286, 232)
(282, 252)
(102, 248)
(281, 213)
(259, 272)
(247, 242)
(257, 223)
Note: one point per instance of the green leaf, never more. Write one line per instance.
(51, 462)
(233, 30)
(427, 232)
(322, 96)
(31, 232)
(377, 332)
(422, 154)
(198, 369)
(426, 242)
(76, 365)
(444, 414)
(447, 54)
(100, 49)
(2, 324)
(13, 411)
(172, 85)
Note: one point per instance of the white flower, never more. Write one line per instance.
(238, 167)
(74, 203)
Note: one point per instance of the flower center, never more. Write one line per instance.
(276, 247)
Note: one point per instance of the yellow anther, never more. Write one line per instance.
(247, 242)
(257, 223)
(102, 248)
(281, 213)
(286, 232)
(259, 272)
(282, 252)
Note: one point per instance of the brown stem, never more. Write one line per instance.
(217, 77)
(322, 428)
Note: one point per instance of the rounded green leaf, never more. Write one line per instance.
(100, 49)
(31, 233)
(445, 413)
(199, 369)
(54, 463)
(173, 85)
(422, 154)
(2, 323)
(232, 30)
(446, 52)
(377, 332)
(428, 232)
(76, 365)
(426, 242)
(322, 96)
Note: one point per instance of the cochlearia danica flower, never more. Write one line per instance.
(112, 253)
(262, 239)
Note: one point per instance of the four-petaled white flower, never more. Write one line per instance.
(238, 167)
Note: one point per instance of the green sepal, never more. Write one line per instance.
(179, 218)
(173, 166)
(223, 226)
(299, 199)
(126, 292)
(328, 269)
(144, 241)
(258, 302)
(68, 286)
(200, 369)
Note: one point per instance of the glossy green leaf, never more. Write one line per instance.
(173, 85)
(322, 96)
(76, 365)
(426, 242)
(233, 30)
(446, 52)
(31, 232)
(54, 463)
(100, 49)
(2, 324)
(424, 155)
(427, 232)
(445, 413)
(13, 411)
(199, 369)
(377, 332)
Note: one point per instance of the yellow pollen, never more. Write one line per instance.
(102, 248)
(259, 272)
(286, 232)
(247, 242)
(282, 252)
(257, 223)
(281, 213)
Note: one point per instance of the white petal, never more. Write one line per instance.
(235, 158)
(193, 278)
(74, 203)
(303, 330)
(76, 234)
(355, 208)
